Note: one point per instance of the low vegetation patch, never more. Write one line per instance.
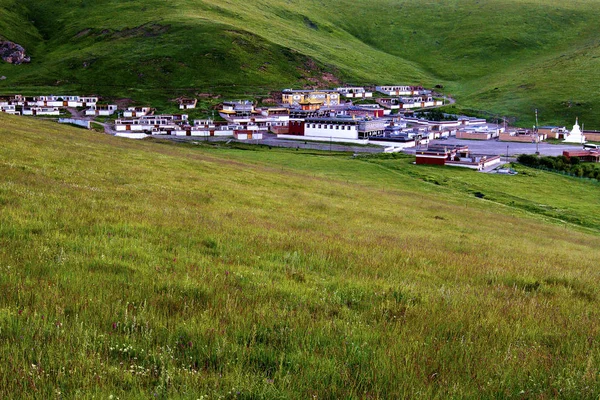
(573, 166)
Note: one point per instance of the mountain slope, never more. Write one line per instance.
(14, 24)
(507, 57)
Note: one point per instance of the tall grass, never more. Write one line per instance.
(147, 269)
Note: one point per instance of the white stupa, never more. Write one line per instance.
(575, 136)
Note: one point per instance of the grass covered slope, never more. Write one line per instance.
(143, 269)
(508, 57)
(14, 24)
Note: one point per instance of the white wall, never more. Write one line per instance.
(327, 131)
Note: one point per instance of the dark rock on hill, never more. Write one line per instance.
(13, 53)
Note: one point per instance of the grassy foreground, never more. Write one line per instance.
(152, 270)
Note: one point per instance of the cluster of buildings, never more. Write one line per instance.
(381, 115)
(455, 155)
(334, 115)
(52, 105)
(488, 132)
(305, 114)
(389, 97)
(181, 125)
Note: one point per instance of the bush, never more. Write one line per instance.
(572, 166)
(547, 162)
(528, 159)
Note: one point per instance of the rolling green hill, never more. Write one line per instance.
(144, 269)
(505, 56)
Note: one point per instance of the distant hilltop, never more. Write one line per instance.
(507, 57)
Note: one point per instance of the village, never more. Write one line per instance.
(391, 118)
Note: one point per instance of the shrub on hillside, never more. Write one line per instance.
(572, 166)
(547, 162)
(528, 159)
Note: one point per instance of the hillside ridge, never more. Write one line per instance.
(508, 57)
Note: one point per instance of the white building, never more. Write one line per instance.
(419, 102)
(151, 123)
(276, 116)
(104, 110)
(207, 127)
(187, 104)
(354, 92)
(52, 111)
(331, 128)
(247, 135)
(9, 109)
(397, 90)
(136, 112)
(65, 101)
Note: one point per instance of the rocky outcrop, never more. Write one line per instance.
(13, 53)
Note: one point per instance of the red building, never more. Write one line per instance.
(584, 155)
(458, 156)
(296, 127)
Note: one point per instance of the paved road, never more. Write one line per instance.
(485, 147)
(78, 114)
(493, 147)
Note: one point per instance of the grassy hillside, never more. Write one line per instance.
(506, 57)
(147, 269)
(14, 24)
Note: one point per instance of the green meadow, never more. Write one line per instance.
(497, 58)
(146, 269)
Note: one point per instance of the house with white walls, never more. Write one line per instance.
(150, 123)
(187, 104)
(9, 109)
(136, 112)
(332, 128)
(354, 92)
(103, 110)
(49, 111)
(400, 90)
(65, 101)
